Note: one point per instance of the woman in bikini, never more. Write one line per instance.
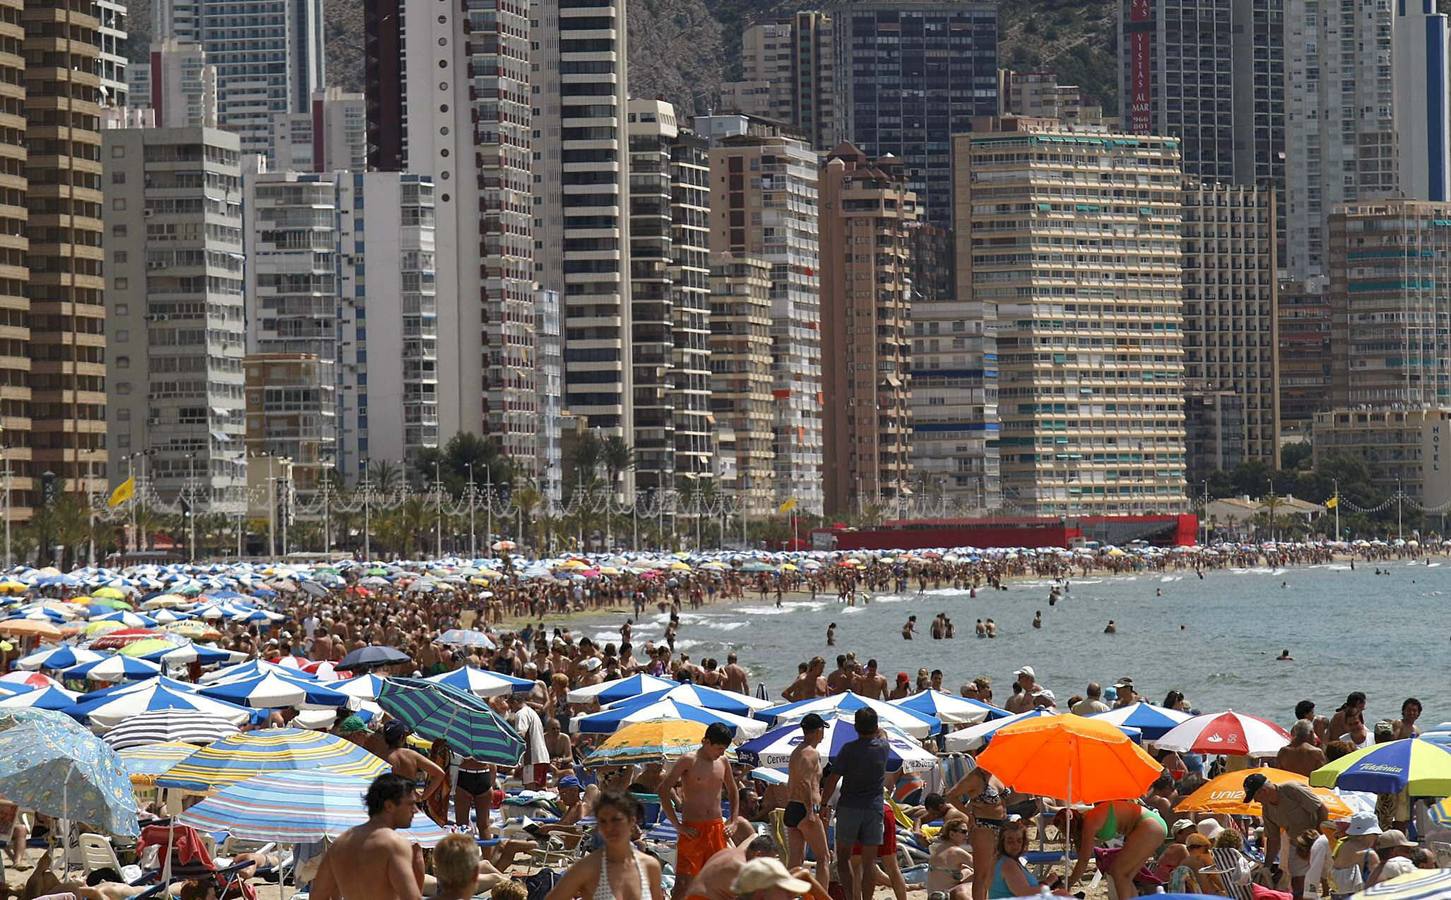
(983, 797)
(1142, 829)
(474, 793)
(949, 870)
(617, 871)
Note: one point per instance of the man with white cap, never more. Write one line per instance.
(767, 879)
(1022, 701)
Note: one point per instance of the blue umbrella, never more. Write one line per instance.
(910, 721)
(113, 668)
(274, 689)
(949, 709)
(62, 657)
(974, 737)
(437, 711)
(53, 698)
(626, 712)
(1153, 721)
(701, 696)
(111, 710)
(483, 683)
(775, 746)
(620, 689)
(54, 766)
(367, 657)
(1423, 767)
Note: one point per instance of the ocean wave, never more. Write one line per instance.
(727, 626)
(764, 610)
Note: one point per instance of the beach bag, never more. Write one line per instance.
(540, 883)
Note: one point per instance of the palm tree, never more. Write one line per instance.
(527, 498)
(618, 456)
(386, 475)
(588, 454)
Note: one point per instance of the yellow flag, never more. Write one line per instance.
(123, 492)
(787, 506)
(1332, 503)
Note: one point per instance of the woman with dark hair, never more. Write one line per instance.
(616, 871)
(984, 799)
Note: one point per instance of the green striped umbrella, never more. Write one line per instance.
(440, 711)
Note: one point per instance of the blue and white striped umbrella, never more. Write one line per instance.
(976, 736)
(58, 699)
(188, 653)
(438, 711)
(295, 808)
(705, 698)
(116, 690)
(111, 710)
(168, 726)
(252, 669)
(620, 689)
(951, 710)
(1153, 721)
(1422, 884)
(775, 746)
(272, 690)
(608, 721)
(63, 657)
(113, 668)
(482, 683)
(125, 617)
(910, 721)
(364, 687)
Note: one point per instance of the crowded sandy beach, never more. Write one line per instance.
(443, 728)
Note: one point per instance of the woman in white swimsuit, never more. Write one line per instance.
(617, 871)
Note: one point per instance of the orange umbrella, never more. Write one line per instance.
(1225, 794)
(29, 628)
(1070, 757)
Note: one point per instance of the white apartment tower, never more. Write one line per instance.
(448, 98)
(582, 201)
(331, 136)
(174, 311)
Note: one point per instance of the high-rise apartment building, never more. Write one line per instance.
(690, 305)
(789, 70)
(582, 202)
(1366, 101)
(764, 204)
(389, 331)
(1231, 311)
(452, 102)
(867, 218)
(290, 228)
(65, 283)
(268, 55)
(113, 64)
(1390, 279)
(955, 427)
(331, 136)
(174, 311)
(291, 412)
(549, 398)
(1075, 236)
(176, 84)
(15, 422)
(741, 380)
(1038, 95)
(1305, 364)
(909, 75)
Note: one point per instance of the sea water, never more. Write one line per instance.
(1216, 639)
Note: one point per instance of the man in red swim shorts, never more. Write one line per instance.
(703, 776)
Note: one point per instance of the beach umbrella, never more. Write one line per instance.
(56, 767)
(115, 640)
(368, 657)
(126, 618)
(1422, 766)
(482, 683)
(364, 687)
(63, 657)
(775, 746)
(462, 637)
(950, 710)
(914, 723)
(250, 669)
(169, 726)
(1224, 794)
(146, 763)
(271, 690)
(647, 742)
(53, 698)
(620, 689)
(618, 715)
(976, 736)
(1226, 734)
(110, 710)
(1422, 884)
(113, 668)
(1068, 756)
(29, 628)
(295, 808)
(28, 680)
(1152, 721)
(705, 698)
(769, 775)
(437, 711)
(252, 753)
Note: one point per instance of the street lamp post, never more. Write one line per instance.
(489, 507)
(473, 537)
(438, 512)
(286, 481)
(191, 506)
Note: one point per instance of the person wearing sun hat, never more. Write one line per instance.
(767, 878)
(1355, 858)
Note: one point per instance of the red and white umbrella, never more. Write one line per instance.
(1226, 734)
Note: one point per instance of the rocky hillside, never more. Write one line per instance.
(682, 49)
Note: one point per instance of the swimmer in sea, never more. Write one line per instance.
(1110, 628)
(831, 635)
(1038, 619)
(981, 629)
(1285, 656)
(910, 628)
(992, 628)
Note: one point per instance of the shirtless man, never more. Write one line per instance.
(408, 763)
(839, 681)
(1300, 755)
(871, 683)
(803, 791)
(373, 861)
(736, 678)
(720, 871)
(808, 684)
(702, 776)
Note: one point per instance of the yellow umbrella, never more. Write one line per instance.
(1225, 794)
(195, 629)
(109, 592)
(165, 601)
(575, 564)
(679, 567)
(95, 629)
(12, 587)
(29, 628)
(646, 742)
